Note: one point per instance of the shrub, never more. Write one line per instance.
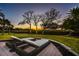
(56, 32)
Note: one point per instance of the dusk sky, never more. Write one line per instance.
(14, 12)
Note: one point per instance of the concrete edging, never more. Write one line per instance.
(66, 47)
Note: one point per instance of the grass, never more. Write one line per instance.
(70, 41)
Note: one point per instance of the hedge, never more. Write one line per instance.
(53, 32)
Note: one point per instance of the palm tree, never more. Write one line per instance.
(8, 25)
(0, 24)
(3, 18)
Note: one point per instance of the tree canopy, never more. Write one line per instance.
(51, 15)
(72, 22)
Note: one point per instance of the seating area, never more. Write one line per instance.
(5, 51)
(27, 46)
(32, 47)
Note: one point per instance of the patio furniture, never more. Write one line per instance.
(15, 42)
(27, 46)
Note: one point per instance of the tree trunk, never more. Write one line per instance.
(43, 31)
(30, 29)
(9, 30)
(70, 33)
(3, 29)
(36, 29)
(3, 25)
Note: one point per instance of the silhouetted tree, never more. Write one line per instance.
(8, 25)
(2, 16)
(49, 17)
(36, 20)
(27, 18)
(72, 22)
(44, 21)
(52, 15)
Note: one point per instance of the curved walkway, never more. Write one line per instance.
(50, 50)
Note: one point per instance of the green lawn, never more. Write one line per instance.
(72, 42)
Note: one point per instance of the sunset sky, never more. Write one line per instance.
(14, 12)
